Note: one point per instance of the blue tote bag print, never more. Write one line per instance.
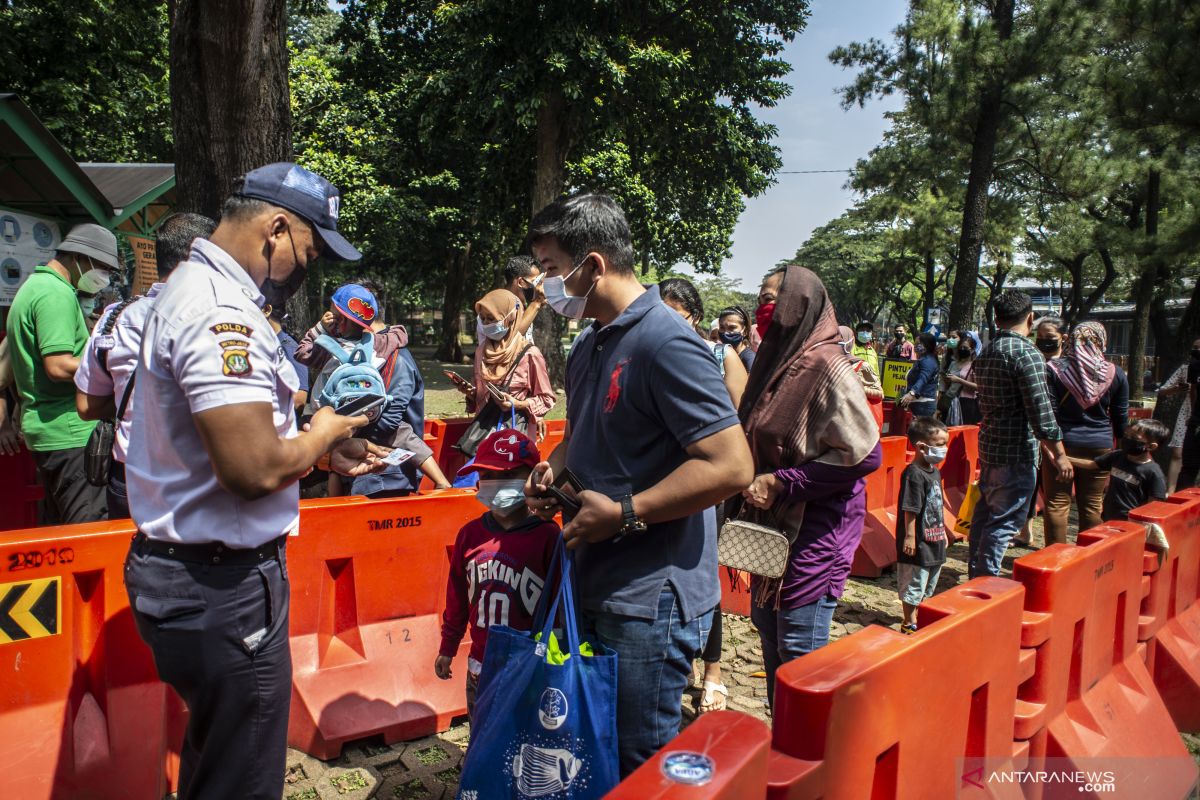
(545, 718)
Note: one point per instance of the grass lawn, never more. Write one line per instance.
(442, 399)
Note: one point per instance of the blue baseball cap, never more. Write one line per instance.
(306, 194)
(356, 304)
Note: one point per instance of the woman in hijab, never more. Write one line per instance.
(814, 442)
(1091, 402)
(515, 368)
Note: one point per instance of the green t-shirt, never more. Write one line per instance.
(45, 318)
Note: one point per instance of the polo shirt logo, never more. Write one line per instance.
(614, 386)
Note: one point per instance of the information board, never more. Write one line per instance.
(25, 242)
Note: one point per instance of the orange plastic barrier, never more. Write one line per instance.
(735, 591)
(882, 715)
(959, 471)
(19, 491)
(1089, 702)
(82, 713)
(877, 550)
(368, 585)
(1169, 626)
(728, 748)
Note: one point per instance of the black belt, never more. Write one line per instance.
(211, 552)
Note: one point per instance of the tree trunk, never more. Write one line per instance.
(230, 106)
(549, 179)
(450, 349)
(930, 286)
(983, 152)
(1143, 289)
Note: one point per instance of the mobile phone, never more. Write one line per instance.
(569, 502)
(537, 279)
(455, 378)
(495, 393)
(360, 405)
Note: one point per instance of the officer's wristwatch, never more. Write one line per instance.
(631, 523)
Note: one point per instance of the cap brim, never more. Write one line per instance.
(469, 468)
(336, 245)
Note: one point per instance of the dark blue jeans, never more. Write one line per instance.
(789, 633)
(1005, 493)
(654, 668)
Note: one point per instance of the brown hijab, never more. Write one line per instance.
(804, 401)
(499, 357)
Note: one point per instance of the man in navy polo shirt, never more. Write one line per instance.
(653, 438)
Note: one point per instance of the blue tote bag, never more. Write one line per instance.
(545, 719)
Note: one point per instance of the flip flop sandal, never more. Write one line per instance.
(713, 698)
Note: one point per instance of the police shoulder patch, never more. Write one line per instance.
(236, 361)
(231, 327)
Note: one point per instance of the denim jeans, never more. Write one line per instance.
(789, 633)
(1005, 492)
(654, 668)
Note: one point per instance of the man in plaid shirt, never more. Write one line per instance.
(1017, 413)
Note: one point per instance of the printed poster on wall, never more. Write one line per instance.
(145, 266)
(25, 242)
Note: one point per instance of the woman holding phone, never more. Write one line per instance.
(509, 370)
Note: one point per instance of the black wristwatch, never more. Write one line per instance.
(631, 523)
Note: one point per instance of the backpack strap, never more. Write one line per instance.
(110, 324)
(361, 354)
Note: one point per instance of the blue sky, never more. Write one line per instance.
(814, 133)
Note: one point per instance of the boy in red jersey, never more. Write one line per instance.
(499, 564)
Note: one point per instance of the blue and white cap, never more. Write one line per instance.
(305, 193)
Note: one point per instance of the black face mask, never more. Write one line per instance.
(1047, 345)
(529, 293)
(277, 293)
(965, 353)
(1196, 354)
(898, 336)
(1133, 447)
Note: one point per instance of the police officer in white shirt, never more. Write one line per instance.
(102, 382)
(212, 469)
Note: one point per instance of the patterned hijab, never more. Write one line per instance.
(1083, 369)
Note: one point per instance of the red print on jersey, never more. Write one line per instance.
(614, 386)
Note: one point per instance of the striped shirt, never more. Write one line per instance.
(1014, 401)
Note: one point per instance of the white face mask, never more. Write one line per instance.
(569, 306)
(935, 455)
(94, 281)
(501, 495)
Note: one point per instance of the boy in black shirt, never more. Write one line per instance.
(1134, 478)
(920, 525)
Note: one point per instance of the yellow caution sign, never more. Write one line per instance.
(30, 609)
(894, 377)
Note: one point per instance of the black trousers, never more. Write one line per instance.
(116, 493)
(219, 634)
(69, 498)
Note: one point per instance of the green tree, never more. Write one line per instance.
(94, 71)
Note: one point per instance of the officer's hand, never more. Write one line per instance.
(327, 422)
(355, 457)
(441, 667)
(537, 500)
